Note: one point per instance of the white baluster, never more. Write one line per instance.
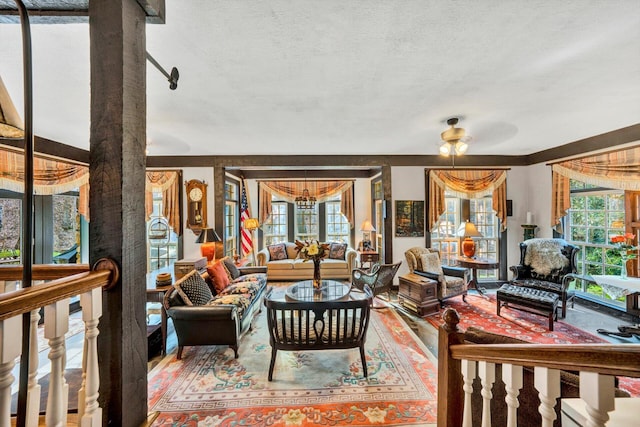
(33, 388)
(468, 375)
(487, 374)
(547, 382)
(512, 377)
(56, 325)
(10, 347)
(598, 393)
(91, 303)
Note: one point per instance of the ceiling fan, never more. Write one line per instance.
(454, 140)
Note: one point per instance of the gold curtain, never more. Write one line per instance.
(617, 169)
(321, 190)
(49, 177)
(467, 184)
(168, 183)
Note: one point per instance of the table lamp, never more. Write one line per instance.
(252, 224)
(208, 238)
(468, 230)
(366, 229)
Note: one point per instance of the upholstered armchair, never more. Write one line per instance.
(452, 281)
(543, 265)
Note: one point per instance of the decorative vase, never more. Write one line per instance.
(623, 269)
(317, 281)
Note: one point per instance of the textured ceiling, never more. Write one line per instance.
(356, 77)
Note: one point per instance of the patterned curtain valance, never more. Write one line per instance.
(321, 190)
(168, 183)
(617, 169)
(467, 184)
(49, 177)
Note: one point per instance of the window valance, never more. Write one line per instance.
(49, 177)
(168, 183)
(321, 190)
(617, 169)
(467, 184)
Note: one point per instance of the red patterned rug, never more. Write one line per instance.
(209, 387)
(480, 312)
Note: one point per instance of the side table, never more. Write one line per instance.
(476, 264)
(418, 294)
(368, 257)
(156, 294)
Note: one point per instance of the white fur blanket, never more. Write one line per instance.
(545, 256)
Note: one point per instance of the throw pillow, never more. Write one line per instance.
(431, 263)
(337, 250)
(277, 252)
(219, 276)
(193, 289)
(234, 273)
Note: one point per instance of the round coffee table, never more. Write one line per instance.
(330, 290)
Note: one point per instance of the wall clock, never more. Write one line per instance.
(196, 205)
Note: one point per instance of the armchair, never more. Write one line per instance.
(452, 281)
(379, 281)
(543, 265)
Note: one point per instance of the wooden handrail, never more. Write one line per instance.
(609, 359)
(42, 271)
(105, 274)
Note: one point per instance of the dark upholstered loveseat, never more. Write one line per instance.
(543, 265)
(225, 317)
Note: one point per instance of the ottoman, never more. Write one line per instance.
(530, 300)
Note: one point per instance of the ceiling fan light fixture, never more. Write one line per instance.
(461, 148)
(454, 140)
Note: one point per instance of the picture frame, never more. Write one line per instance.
(409, 218)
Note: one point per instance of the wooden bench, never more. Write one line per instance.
(530, 300)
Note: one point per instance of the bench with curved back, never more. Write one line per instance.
(318, 325)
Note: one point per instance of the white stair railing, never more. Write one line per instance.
(13, 304)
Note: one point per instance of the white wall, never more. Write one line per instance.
(407, 183)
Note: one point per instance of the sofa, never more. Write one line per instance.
(283, 263)
(217, 306)
(543, 265)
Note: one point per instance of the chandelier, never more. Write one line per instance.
(305, 201)
(454, 140)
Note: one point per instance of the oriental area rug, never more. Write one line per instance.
(208, 387)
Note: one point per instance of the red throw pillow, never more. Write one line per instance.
(218, 275)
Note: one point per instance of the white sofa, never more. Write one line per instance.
(294, 268)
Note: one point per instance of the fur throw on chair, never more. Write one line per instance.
(545, 256)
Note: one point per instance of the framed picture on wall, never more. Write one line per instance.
(409, 218)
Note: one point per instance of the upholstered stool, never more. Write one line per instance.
(530, 300)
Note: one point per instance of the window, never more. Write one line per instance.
(231, 212)
(162, 241)
(338, 228)
(275, 229)
(10, 230)
(306, 223)
(445, 238)
(595, 215)
(66, 229)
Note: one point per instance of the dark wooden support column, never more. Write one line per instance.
(117, 227)
(388, 221)
(218, 206)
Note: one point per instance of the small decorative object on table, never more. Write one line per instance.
(623, 245)
(312, 250)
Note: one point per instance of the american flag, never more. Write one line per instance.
(245, 235)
